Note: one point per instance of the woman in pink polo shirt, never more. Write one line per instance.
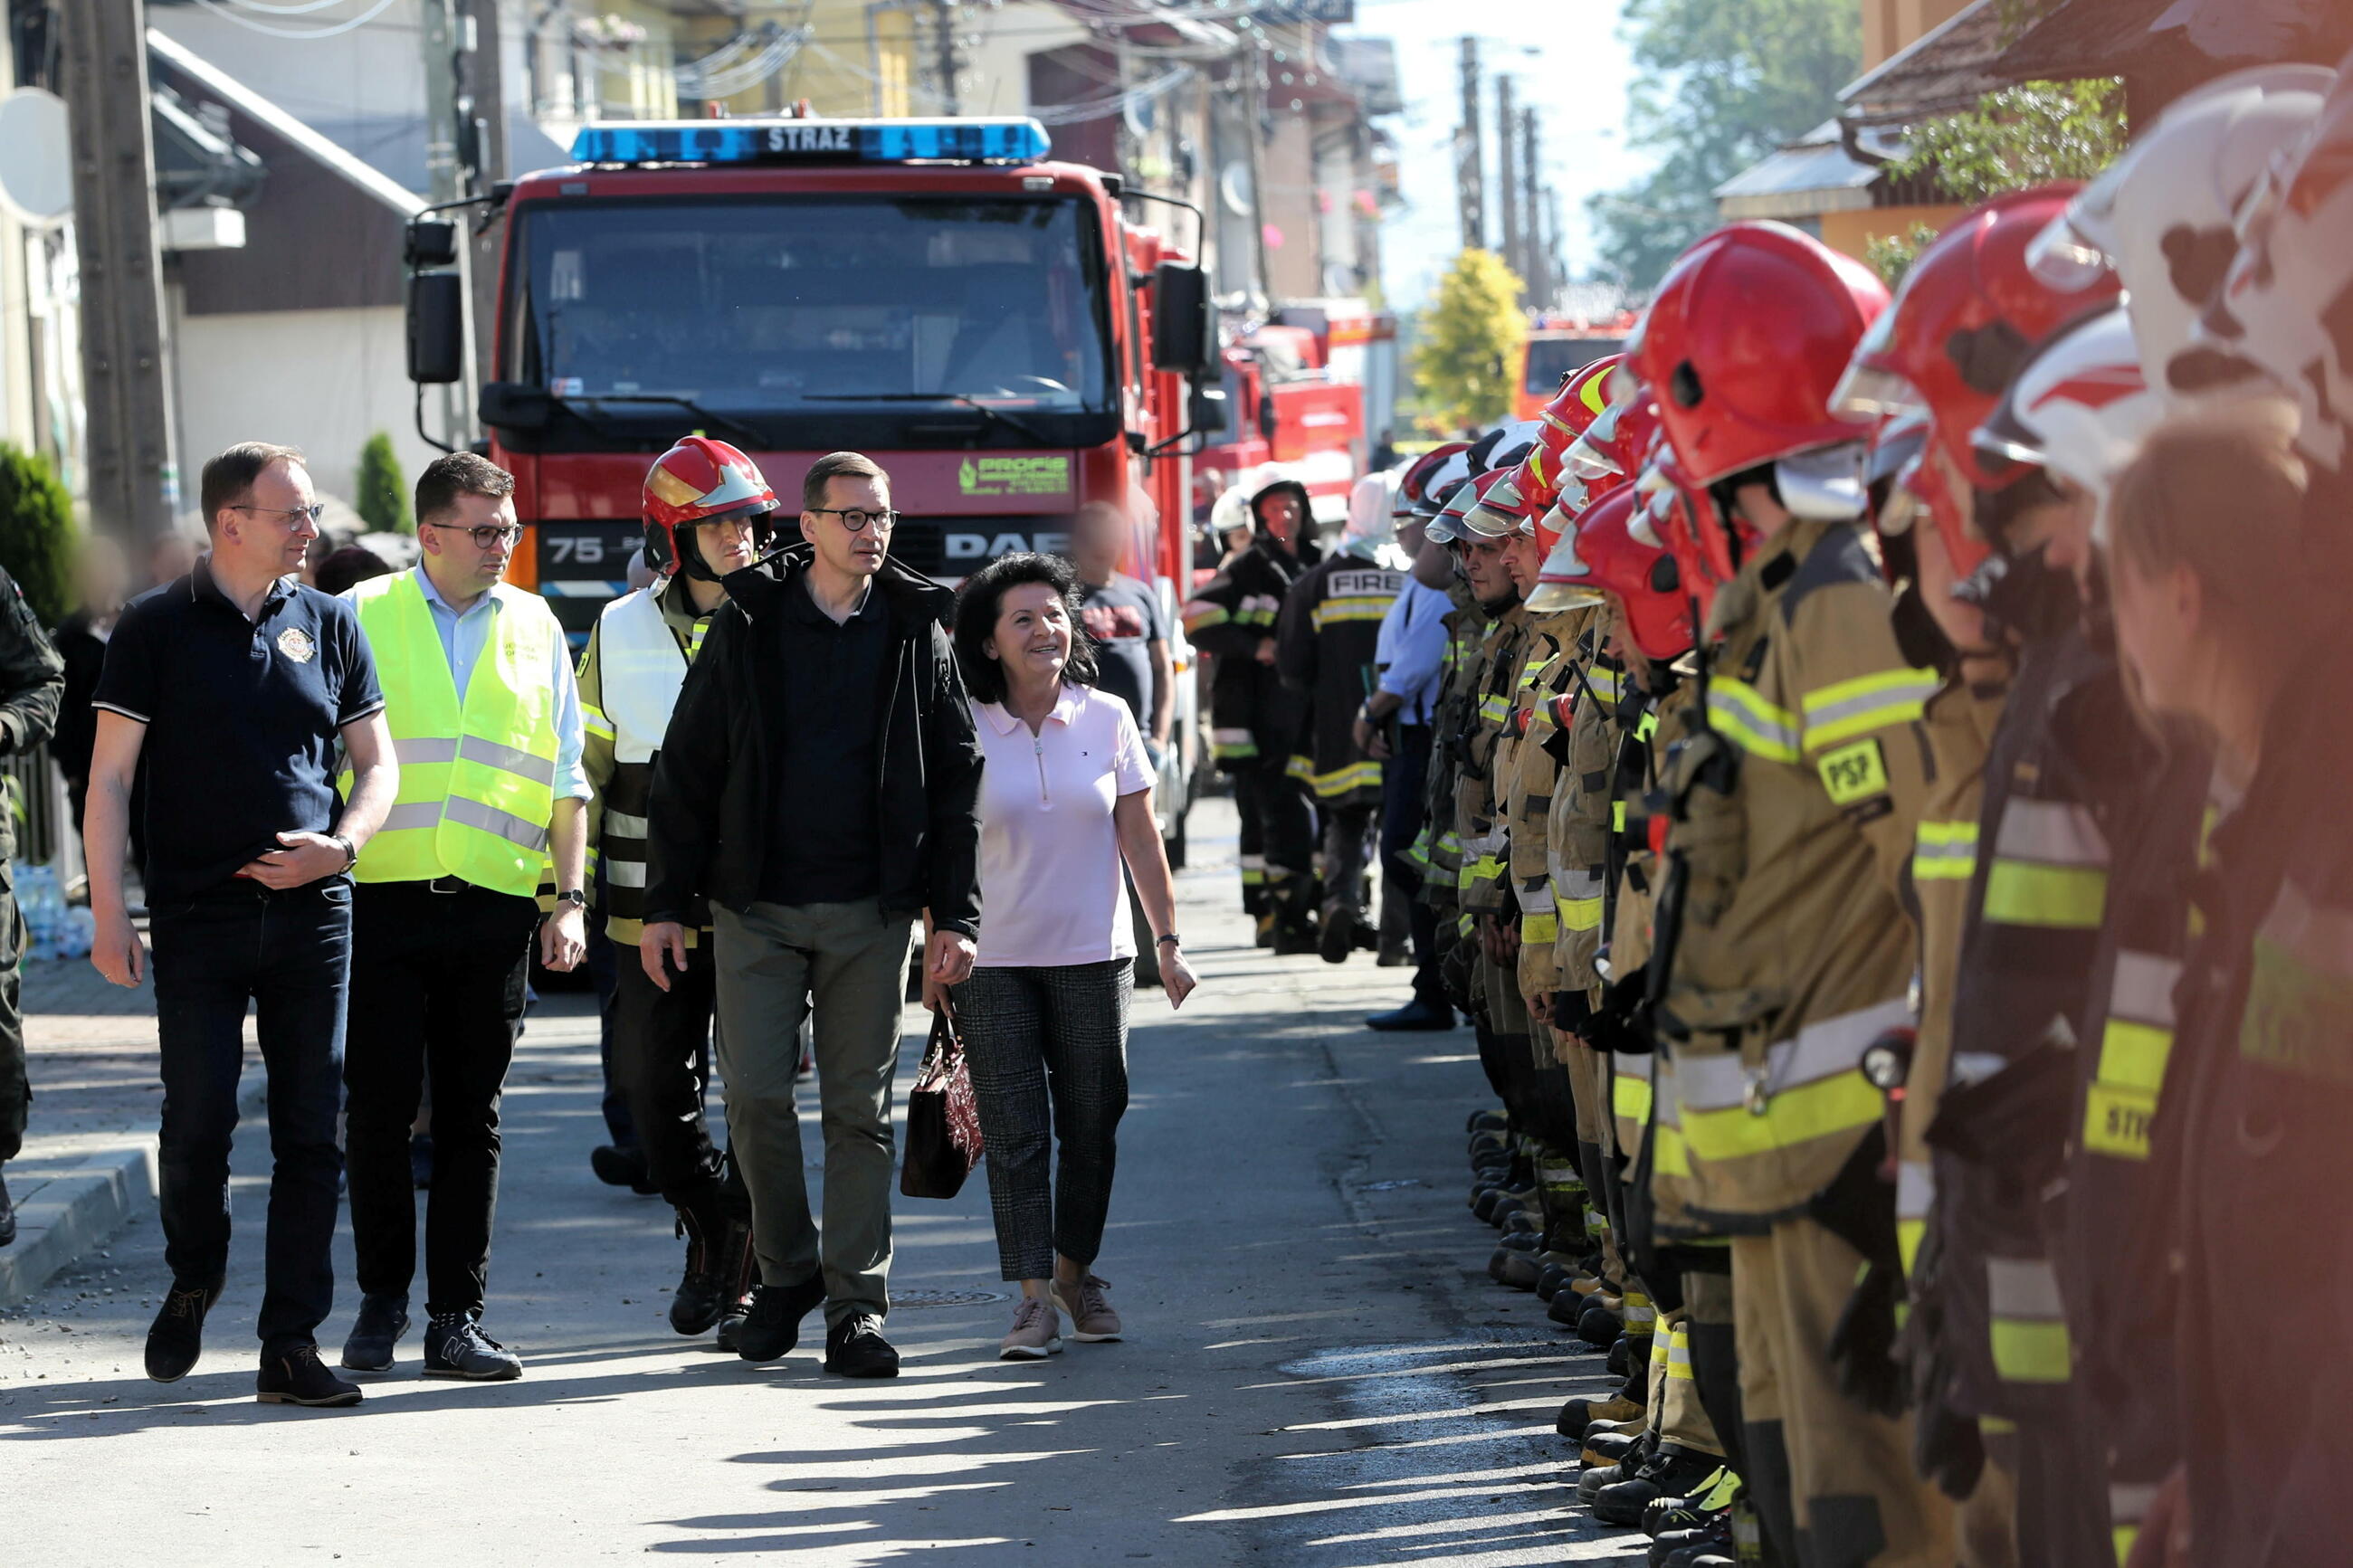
(1065, 798)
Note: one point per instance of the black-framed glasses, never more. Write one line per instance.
(293, 516)
(490, 533)
(855, 517)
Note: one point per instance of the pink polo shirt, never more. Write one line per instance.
(1051, 890)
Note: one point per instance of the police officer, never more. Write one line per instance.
(706, 511)
(1255, 720)
(32, 676)
(485, 714)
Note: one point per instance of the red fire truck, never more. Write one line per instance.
(1284, 407)
(986, 324)
(1557, 348)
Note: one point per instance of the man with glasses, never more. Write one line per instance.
(485, 717)
(819, 785)
(237, 684)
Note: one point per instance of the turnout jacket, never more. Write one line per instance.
(629, 676)
(1253, 719)
(1439, 846)
(32, 680)
(713, 797)
(1484, 886)
(1325, 643)
(1792, 954)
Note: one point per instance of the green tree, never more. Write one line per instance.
(1722, 83)
(37, 533)
(1469, 342)
(383, 498)
(2024, 135)
(1892, 255)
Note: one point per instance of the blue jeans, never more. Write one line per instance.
(289, 953)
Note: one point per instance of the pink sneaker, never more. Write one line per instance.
(1092, 1320)
(1036, 1331)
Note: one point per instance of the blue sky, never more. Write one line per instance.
(1568, 61)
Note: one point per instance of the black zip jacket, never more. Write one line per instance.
(713, 795)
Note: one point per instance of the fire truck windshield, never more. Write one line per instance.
(822, 320)
(1549, 359)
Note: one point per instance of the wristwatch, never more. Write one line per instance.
(1168, 940)
(574, 896)
(351, 851)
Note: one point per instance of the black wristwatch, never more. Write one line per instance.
(574, 896)
(1168, 940)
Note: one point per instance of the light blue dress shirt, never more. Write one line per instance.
(1412, 648)
(463, 639)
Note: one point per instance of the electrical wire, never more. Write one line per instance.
(303, 9)
(337, 30)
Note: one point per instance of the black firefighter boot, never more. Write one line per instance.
(703, 1291)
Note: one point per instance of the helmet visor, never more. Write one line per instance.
(2063, 257)
(1824, 484)
(1869, 391)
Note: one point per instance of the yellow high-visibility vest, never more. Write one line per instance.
(477, 778)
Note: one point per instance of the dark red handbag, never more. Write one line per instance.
(943, 1117)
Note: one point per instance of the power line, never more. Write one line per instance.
(335, 30)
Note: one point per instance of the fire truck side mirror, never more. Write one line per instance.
(437, 328)
(1209, 415)
(431, 242)
(1180, 319)
(1266, 420)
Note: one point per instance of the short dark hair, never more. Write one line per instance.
(228, 478)
(978, 603)
(833, 465)
(446, 479)
(352, 564)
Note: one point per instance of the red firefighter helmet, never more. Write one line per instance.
(1583, 397)
(1452, 523)
(1602, 556)
(1419, 492)
(1610, 451)
(697, 481)
(1743, 341)
(1969, 315)
(1668, 516)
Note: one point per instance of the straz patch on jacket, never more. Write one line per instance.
(1853, 773)
(2299, 1012)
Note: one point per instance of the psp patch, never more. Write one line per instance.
(1853, 773)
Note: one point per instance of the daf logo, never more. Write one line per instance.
(990, 546)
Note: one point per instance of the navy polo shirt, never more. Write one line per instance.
(243, 720)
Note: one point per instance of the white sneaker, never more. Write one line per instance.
(1036, 1331)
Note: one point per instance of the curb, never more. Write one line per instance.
(80, 1212)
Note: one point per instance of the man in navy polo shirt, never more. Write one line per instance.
(236, 682)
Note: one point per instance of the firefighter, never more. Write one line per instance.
(706, 511)
(1324, 651)
(1791, 953)
(1255, 721)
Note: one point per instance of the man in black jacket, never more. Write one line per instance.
(31, 675)
(819, 784)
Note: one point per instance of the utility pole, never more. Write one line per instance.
(486, 85)
(1538, 250)
(1507, 180)
(943, 14)
(1468, 192)
(439, 27)
(134, 486)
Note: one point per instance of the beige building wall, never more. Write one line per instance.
(1889, 25)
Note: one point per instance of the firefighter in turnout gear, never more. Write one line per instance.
(1794, 792)
(1256, 721)
(1324, 651)
(706, 513)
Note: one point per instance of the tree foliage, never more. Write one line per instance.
(1892, 255)
(1722, 83)
(37, 533)
(383, 498)
(1469, 342)
(2021, 136)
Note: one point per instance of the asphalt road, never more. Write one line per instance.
(1317, 1371)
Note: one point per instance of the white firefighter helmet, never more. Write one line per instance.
(2080, 408)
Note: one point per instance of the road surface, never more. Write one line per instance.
(1317, 1373)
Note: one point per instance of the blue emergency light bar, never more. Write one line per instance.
(813, 141)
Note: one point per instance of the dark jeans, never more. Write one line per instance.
(437, 980)
(661, 1062)
(1403, 778)
(289, 953)
(1047, 1047)
(603, 967)
(15, 1087)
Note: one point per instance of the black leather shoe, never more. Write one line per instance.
(855, 1347)
(300, 1377)
(1601, 1448)
(1337, 939)
(176, 1338)
(1621, 1356)
(1487, 1122)
(773, 1325)
(7, 1216)
(1297, 940)
(1416, 1014)
(454, 1346)
(382, 1320)
(619, 1167)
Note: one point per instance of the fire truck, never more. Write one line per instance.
(987, 324)
(1555, 350)
(1284, 407)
